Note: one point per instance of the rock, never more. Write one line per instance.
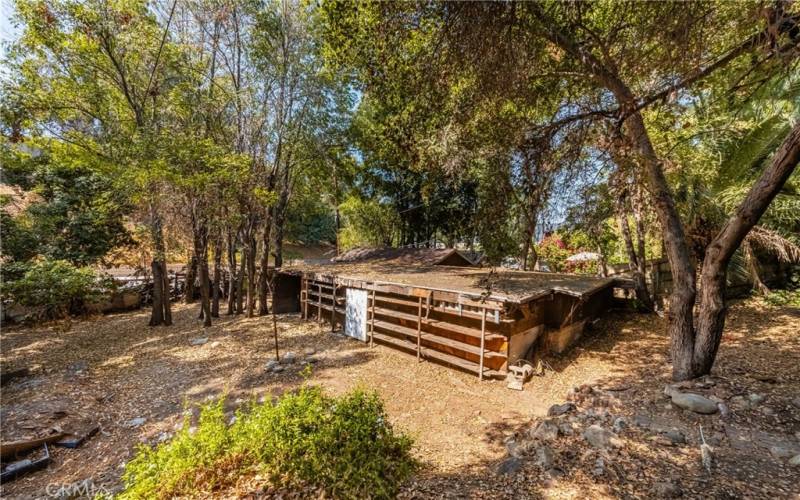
(620, 424)
(215, 344)
(642, 421)
(796, 402)
(519, 449)
(272, 363)
(308, 351)
(277, 368)
(509, 466)
(795, 460)
(290, 357)
(544, 457)
(675, 436)
(566, 429)
(756, 398)
(199, 341)
(136, 422)
(666, 489)
(724, 411)
(693, 402)
(558, 410)
(782, 452)
(601, 438)
(547, 430)
(312, 360)
(599, 467)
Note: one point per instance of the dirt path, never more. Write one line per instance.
(136, 381)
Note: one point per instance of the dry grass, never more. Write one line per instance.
(459, 423)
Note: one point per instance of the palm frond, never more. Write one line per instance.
(772, 242)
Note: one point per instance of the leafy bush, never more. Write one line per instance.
(55, 285)
(344, 446)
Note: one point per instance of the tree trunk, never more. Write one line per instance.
(161, 313)
(201, 252)
(634, 264)
(231, 272)
(262, 277)
(711, 318)
(216, 285)
(191, 277)
(250, 263)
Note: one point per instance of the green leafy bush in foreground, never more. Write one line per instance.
(344, 446)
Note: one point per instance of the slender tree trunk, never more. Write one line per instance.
(232, 276)
(201, 252)
(161, 313)
(189, 280)
(263, 284)
(250, 261)
(217, 286)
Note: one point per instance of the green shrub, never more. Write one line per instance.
(344, 446)
(55, 285)
(783, 298)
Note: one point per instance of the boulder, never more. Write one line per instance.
(562, 409)
(509, 466)
(272, 363)
(544, 457)
(290, 357)
(667, 489)
(756, 398)
(547, 430)
(795, 461)
(601, 438)
(199, 341)
(692, 402)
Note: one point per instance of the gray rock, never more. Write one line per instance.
(277, 368)
(620, 424)
(136, 422)
(566, 429)
(724, 411)
(642, 421)
(312, 360)
(199, 341)
(509, 466)
(599, 467)
(601, 438)
(562, 409)
(547, 430)
(795, 460)
(272, 363)
(782, 452)
(544, 457)
(290, 357)
(756, 398)
(675, 436)
(693, 402)
(666, 489)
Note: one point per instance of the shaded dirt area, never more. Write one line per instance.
(135, 382)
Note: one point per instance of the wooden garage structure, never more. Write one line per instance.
(470, 318)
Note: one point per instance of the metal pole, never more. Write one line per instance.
(483, 343)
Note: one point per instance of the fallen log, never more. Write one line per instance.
(9, 450)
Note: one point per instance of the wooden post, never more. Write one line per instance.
(333, 309)
(483, 343)
(419, 329)
(319, 303)
(304, 298)
(372, 320)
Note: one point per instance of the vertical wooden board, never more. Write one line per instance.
(520, 343)
(355, 323)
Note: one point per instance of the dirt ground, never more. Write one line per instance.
(135, 382)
